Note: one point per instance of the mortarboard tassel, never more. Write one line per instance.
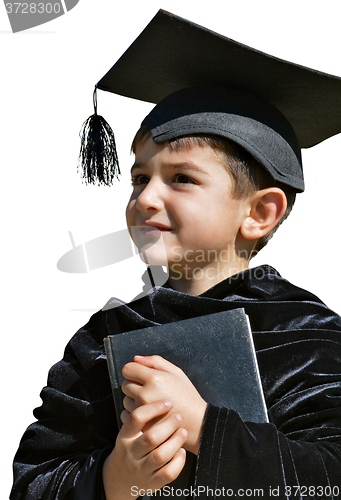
(98, 157)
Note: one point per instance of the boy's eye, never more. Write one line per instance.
(140, 179)
(183, 179)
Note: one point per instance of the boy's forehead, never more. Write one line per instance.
(189, 156)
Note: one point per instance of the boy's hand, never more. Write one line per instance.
(152, 378)
(145, 460)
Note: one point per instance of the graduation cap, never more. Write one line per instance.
(205, 83)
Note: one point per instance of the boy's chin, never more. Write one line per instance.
(150, 246)
(153, 255)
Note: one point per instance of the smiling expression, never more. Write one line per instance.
(181, 208)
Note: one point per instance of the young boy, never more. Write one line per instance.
(216, 170)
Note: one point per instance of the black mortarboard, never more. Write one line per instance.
(203, 82)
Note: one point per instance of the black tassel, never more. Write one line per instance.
(98, 157)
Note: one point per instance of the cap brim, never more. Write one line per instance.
(172, 53)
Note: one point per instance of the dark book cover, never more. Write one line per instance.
(215, 351)
(217, 354)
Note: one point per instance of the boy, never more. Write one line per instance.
(214, 204)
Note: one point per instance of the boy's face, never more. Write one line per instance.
(185, 197)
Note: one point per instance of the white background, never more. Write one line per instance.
(47, 78)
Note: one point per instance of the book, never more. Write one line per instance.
(215, 351)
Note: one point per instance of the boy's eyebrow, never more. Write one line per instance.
(136, 165)
(183, 165)
(188, 166)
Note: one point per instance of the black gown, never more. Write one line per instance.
(296, 455)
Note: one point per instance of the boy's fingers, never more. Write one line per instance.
(134, 372)
(160, 456)
(129, 404)
(124, 415)
(170, 471)
(129, 387)
(131, 391)
(140, 370)
(168, 431)
(157, 447)
(156, 362)
(138, 418)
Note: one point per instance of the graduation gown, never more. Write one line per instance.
(296, 455)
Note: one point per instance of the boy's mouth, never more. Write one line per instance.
(148, 233)
(155, 225)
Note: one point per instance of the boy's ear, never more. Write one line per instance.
(267, 208)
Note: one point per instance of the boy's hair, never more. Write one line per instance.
(247, 174)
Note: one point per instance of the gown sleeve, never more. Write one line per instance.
(298, 454)
(61, 455)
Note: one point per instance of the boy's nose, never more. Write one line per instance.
(151, 197)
